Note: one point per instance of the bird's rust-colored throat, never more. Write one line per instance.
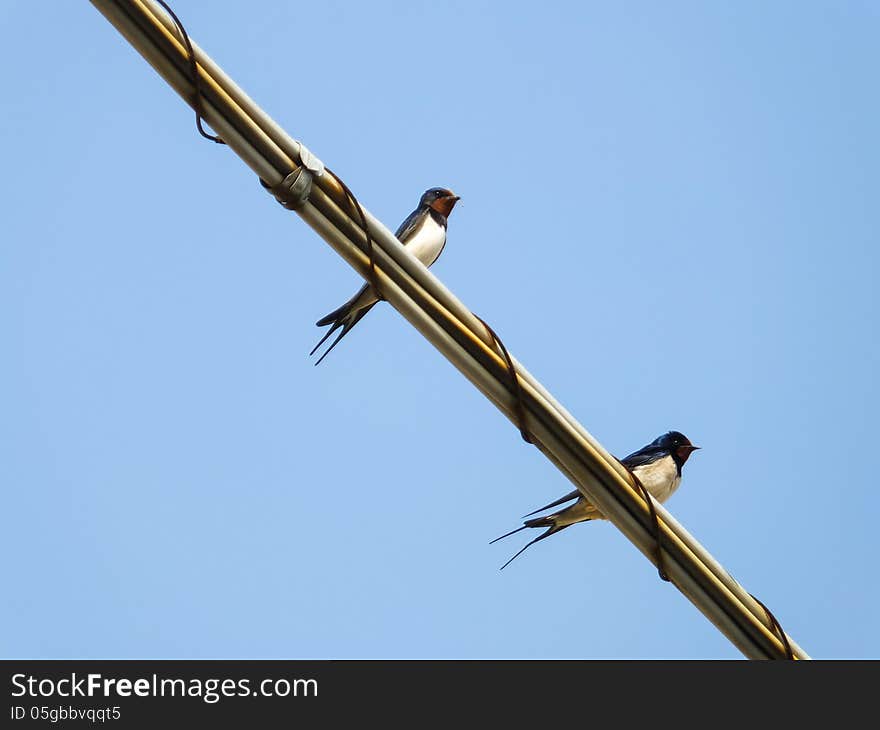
(685, 451)
(444, 206)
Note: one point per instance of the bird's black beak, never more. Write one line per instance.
(685, 451)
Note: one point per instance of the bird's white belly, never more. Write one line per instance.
(427, 243)
(661, 478)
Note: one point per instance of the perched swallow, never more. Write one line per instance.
(424, 235)
(658, 467)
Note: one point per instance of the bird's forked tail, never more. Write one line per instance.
(550, 522)
(346, 317)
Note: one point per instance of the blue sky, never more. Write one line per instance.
(669, 213)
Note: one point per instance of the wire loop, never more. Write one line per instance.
(519, 405)
(655, 520)
(196, 80)
(777, 629)
(371, 254)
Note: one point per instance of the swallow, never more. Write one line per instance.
(423, 232)
(658, 467)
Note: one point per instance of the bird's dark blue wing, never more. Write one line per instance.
(562, 500)
(409, 224)
(645, 455)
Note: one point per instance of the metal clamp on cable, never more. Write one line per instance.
(309, 161)
(295, 188)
